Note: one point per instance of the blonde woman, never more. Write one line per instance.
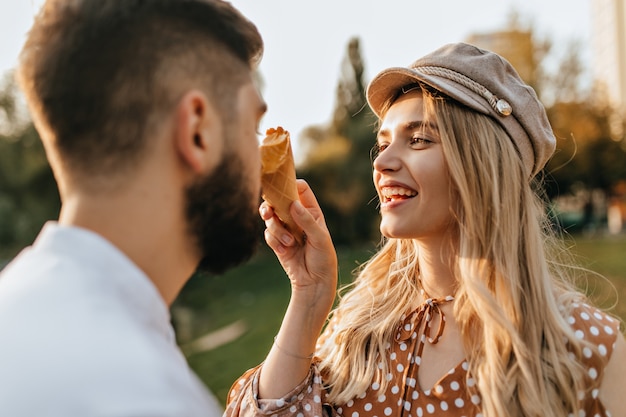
(464, 311)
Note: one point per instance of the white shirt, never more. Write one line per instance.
(84, 332)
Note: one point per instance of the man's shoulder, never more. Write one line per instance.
(79, 351)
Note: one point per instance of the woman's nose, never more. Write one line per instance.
(388, 159)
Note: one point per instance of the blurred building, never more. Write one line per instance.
(515, 45)
(609, 49)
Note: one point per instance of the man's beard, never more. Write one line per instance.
(222, 216)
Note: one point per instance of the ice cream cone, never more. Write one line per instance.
(278, 177)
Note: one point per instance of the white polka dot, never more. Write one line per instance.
(380, 365)
(393, 356)
(411, 382)
(368, 407)
(582, 413)
(602, 350)
(400, 367)
(418, 360)
(407, 327)
(465, 365)
(454, 386)
(340, 410)
(594, 330)
(597, 315)
(403, 346)
(430, 408)
(594, 393)
(459, 402)
(395, 389)
(388, 411)
(438, 389)
(407, 406)
(307, 407)
(593, 373)
(444, 405)
(293, 409)
(317, 399)
(471, 382)
(389, 377)
(584, 316)
(420, 412)
(362, 395)
(579, 334)
(317, 380)
(475, 399)
(415, 395)
(586, 352)
(571, 320)
(355, 414)
(381, 398)
(280, 403)
(350, 403)
(608, 329)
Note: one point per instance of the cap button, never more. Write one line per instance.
(503, 107)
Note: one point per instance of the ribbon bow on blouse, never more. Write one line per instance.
(425, 312)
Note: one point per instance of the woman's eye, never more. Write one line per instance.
(377, 149)
(419, 140)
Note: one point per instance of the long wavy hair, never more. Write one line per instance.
(515, 288)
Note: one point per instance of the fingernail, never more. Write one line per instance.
(286, 239)
(263, 211)
(298, 206)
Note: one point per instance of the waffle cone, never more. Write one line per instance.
(278, 177)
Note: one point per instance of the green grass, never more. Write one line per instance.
(258, 292)
(607, 257)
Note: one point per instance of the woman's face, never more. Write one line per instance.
(410, 173)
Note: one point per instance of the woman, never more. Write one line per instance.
(465, 310)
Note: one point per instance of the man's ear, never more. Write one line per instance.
(198, 133)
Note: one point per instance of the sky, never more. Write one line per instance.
(306, 41)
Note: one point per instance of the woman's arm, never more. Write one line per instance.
(312, 270)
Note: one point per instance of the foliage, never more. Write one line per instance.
(337, 163)
(28, 192)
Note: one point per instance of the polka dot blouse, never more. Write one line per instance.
(452, 396)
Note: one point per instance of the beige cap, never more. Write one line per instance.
(482, 81)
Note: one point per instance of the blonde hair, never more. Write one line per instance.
(511, 302)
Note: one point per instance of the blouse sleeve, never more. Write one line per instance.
(305, 400)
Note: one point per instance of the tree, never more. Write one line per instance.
(28, 192)
(337, 163)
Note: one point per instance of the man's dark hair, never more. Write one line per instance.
(99, 74)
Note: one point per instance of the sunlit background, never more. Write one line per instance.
(318, 58)
(306, 41)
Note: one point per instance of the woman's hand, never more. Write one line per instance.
(312, 267)
(312, 270)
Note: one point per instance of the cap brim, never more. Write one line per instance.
(386, 84)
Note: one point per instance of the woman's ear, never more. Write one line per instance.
(198, 132)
